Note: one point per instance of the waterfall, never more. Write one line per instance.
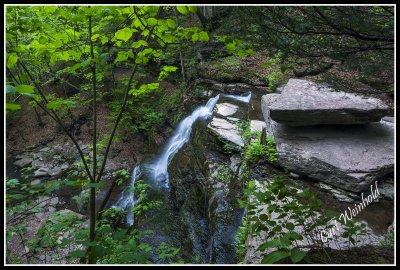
(127, 200)
(158, 169)
(243, 98)
(178, 139)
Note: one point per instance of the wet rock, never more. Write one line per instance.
(230, 88)
(58, 170)
(387, 120)
(236, 161)
(24, 155)
(348, 157)
(304, 103)
(340, 194)
(233, 119)
(45, 149)
(294, 175)
(36, 164)
(36, 182)
(386, 189)
(257, 125)
(226, 130)
(48, 201)
(23, 162)
(226, 109)
(41, 172)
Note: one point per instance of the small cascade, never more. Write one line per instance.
(158, 168)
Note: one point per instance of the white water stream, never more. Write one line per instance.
(158, 169)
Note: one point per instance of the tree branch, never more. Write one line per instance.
(54, 115)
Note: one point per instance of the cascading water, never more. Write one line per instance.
(243, 98)
(127, 200)
(158, 169)
(181, 136)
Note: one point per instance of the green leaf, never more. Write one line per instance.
(230, 46)
(95, 36)
(16, 196)
(43, 40)
(104, 40)
(192, 9)
(285, 240)
(123, 56)
(10, 89)
(264, 217)
(165, 72)
(12, 59)
(195, 37)
(61, 104)
(290, 226)
(152, 21)
(50, 9)
(59, 56)
(139, 43)
(182, 9)
(203, 36)
(124, 34)
(275, 256)
(171, 23)
(77, 254)
(295, 236)
(269, 244)
(24, 88)
(297, 255)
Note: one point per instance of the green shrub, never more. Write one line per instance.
(255, 150)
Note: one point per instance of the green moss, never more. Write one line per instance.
(223, 174)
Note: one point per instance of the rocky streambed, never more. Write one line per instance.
(337, 151)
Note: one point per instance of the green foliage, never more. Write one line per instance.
(186, 9)
(229, 149)
(123, 176)
(165, 71)
(255, 150)
(12, 106)
(141, 190)
(388, 240)
(352, 230)
(279, 210)
(12, 59)
(236, 46)
(169, 254)
(240, 239)
(124, 34)
(276, 69)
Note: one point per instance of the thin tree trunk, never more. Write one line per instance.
(39, 118)
(122, 110)
(263, 140)
(180, 51)
(92, 202)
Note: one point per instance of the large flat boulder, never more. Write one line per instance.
(305, 103)
(345, 156)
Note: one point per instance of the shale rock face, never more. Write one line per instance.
(305, 103)
(348, 156)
